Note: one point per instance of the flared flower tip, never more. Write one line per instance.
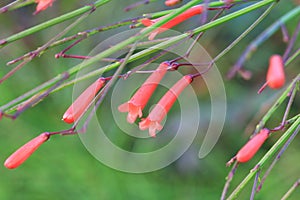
(133, 111)
(19, 156)
(151, 125)
(42, 5)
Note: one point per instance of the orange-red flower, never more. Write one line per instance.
(153, 121)
(196, 10)
(19, 156)
(139, 100)
(81, 104)
(252, 146)
(42, 5)
(275, 74)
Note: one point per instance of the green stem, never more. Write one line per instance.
(279, 101)
(145, 52)
(264, 159)
(50, 23)
(15, 5)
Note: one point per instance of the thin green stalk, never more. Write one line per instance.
(246, 32)
(50, 23)
(292, 57)
(145, 52)
(15, 5)
(279, 101)
(94, 31)
(264, 159)
(291, 190)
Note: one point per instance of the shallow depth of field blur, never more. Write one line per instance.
(63, 169)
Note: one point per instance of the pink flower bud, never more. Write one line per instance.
(81, 104)
(275, 74)
(252, 146)
(139, 100)
(196, 10)
(163, 106)
(19, 156)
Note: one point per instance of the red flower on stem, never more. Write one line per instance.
(19, 156)
(42, 5)
(196, 10)
(81, 104)
(163, 106)
(139, 100)
(275, 76)
(251, 147)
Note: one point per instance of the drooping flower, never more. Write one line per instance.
(81, 104)
(139, 100)
(196, 10)
(42, 5)
(252, 146)
(275, 74)
(19, 156)
(158, 113)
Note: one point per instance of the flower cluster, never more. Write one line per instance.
(139, 100)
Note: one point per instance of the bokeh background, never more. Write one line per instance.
(63, 169)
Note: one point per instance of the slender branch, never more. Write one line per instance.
(261, 38)
(282, 150)
(279, 101)
(291, 42)
(291, 190)
(15, 5)
(50, 23)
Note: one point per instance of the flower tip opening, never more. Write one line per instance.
(68, 118)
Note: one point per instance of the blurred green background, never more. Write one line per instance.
(63, 169)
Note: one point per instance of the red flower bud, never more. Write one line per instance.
(160, 110)
(252, 146)
(139, 100)
(172, 2)
(19, 156)
(196, 10)
(81, 104)
(275, 74)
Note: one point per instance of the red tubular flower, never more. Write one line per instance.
(19, 156)
(196, 10)
(163, 106)
(275, 74)
(81, 104)
(172, 2)
(42, 5)
(139, 100)
(252, 146)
